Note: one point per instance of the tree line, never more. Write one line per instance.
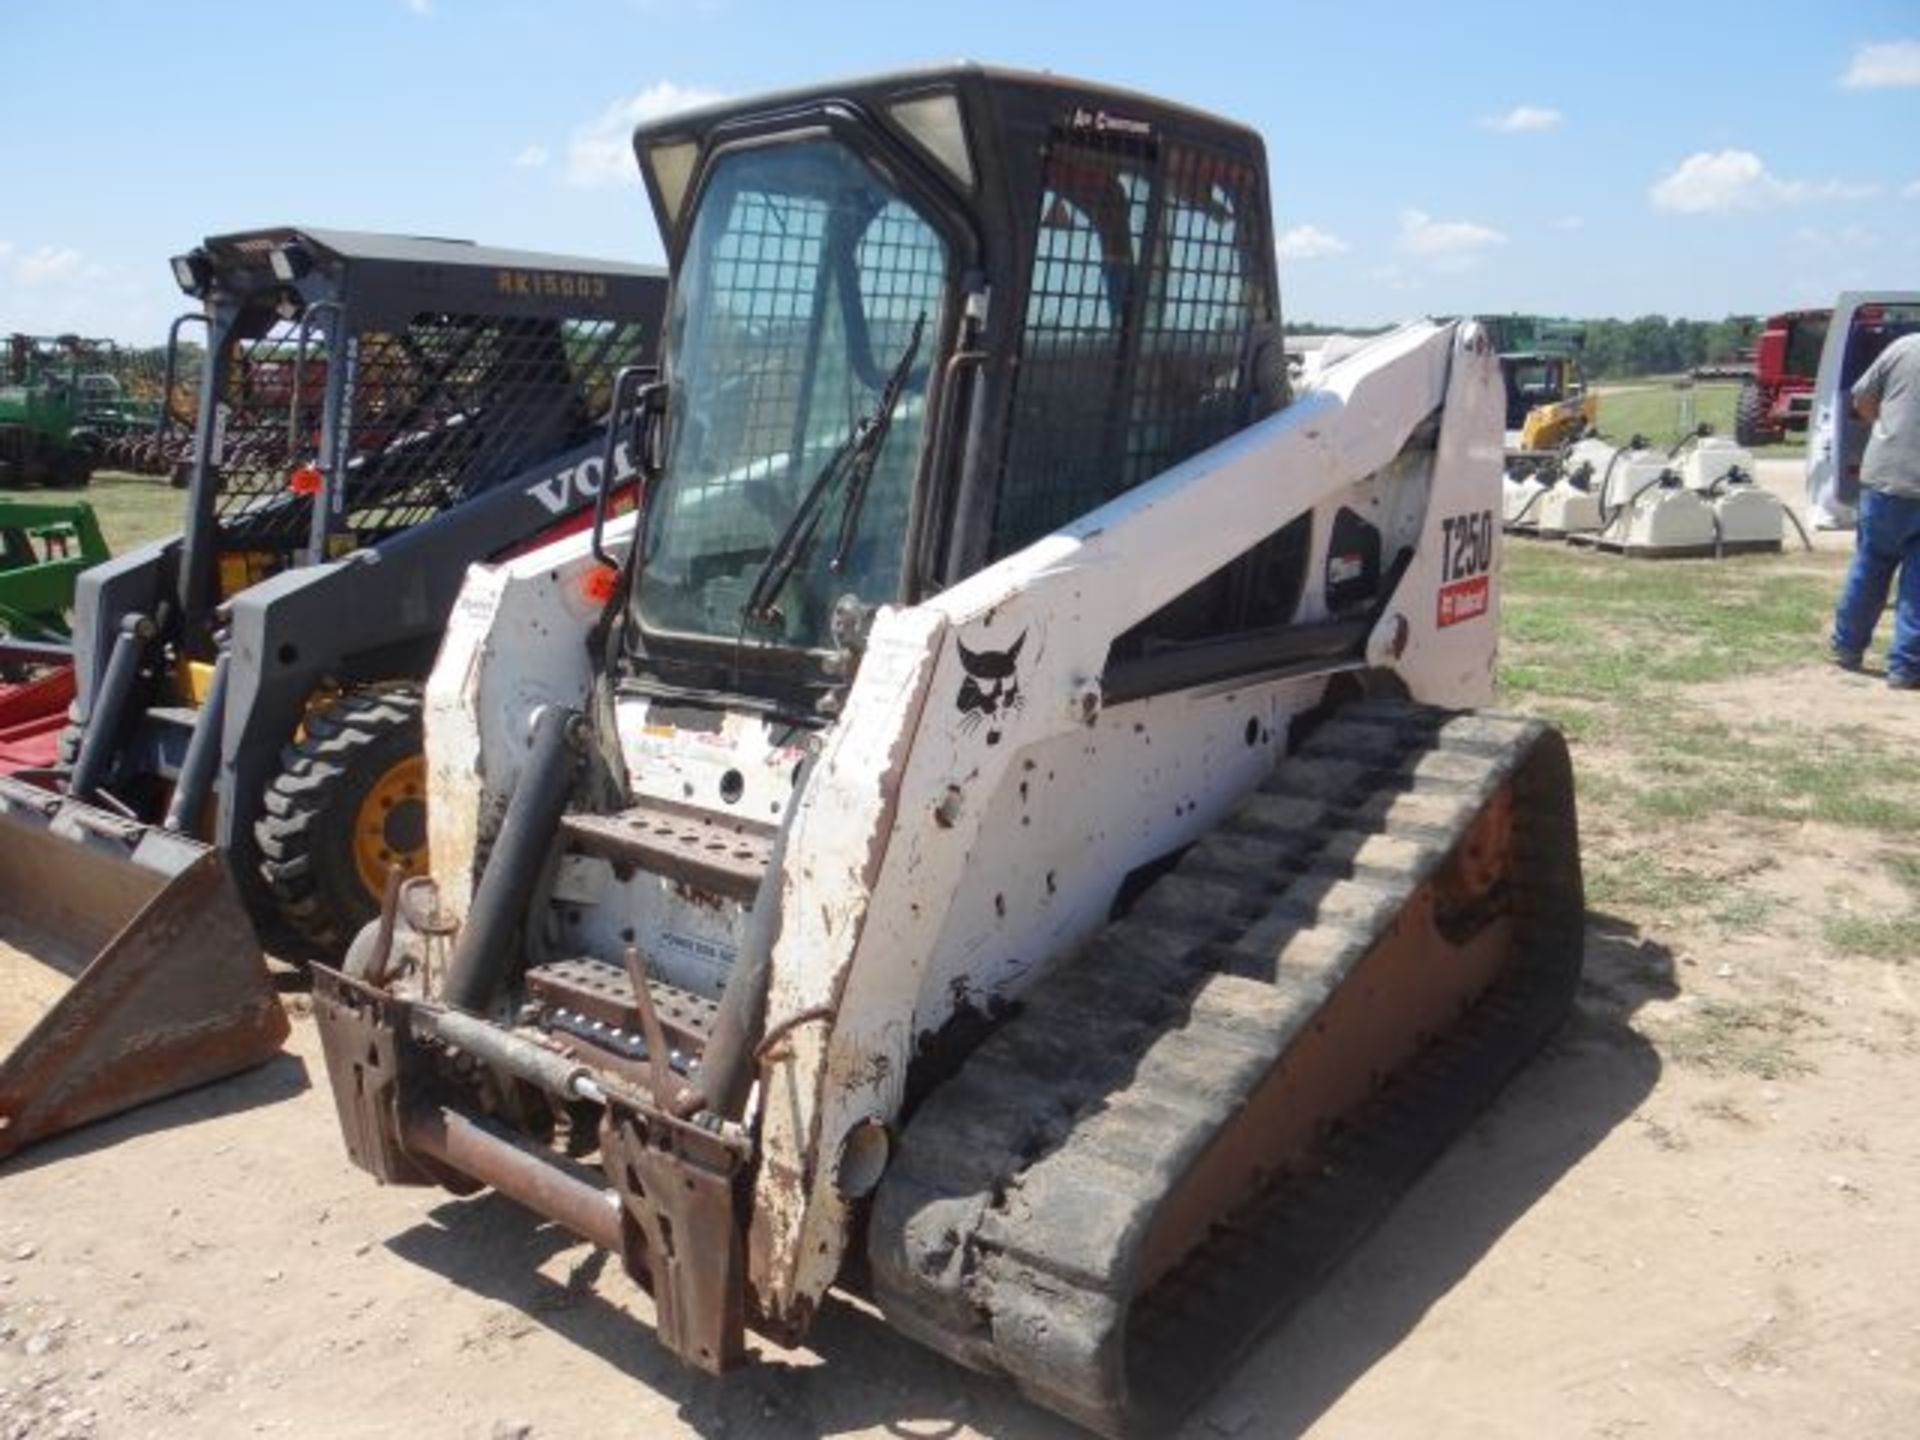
(1655, 345)
(1621, 349)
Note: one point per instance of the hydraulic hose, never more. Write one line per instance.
(1805, 539)
(1606, 479)
(1717, 488)
(1606, 519)
(1527, 509)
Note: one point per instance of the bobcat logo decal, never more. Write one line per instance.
(991, 688)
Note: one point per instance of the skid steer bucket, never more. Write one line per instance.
(128, 968)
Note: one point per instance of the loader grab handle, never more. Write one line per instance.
(636, 387)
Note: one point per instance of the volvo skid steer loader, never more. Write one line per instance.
(376, 413)
(1014, 841)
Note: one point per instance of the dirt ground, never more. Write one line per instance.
(1694, 1215)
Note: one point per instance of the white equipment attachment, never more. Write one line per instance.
(1520, 501)
(1703, 502)
(1746, 517)
(1572, 505)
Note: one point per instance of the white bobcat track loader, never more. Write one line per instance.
(1010, 835)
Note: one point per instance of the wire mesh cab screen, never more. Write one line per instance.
(807, 283)
(1145, 298)
(433, 414)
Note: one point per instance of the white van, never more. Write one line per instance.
(1864, 323)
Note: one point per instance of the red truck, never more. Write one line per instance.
(1777, 397)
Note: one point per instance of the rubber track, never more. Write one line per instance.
(1008, 1229)
(312, 770)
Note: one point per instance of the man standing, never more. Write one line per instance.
(1888, 537)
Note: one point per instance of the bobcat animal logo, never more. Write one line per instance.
(991, 688)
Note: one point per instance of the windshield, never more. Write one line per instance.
(807, 284)
(1805, 338)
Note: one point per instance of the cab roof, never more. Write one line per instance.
(969, 77)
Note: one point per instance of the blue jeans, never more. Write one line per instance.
(1887, 540)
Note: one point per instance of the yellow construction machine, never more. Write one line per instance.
(1548, 406)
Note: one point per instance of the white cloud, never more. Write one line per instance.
(531, 157)
(1523, 120)
(1310, 242)
(47, 266)
(1445, 244)
(1890, 63)
(601, 153)
(1717, 181)
(1848, 240)
(1569, 222)
(1911, 190)
(56, 289)
(418, 7)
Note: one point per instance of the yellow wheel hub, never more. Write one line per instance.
(391, 828)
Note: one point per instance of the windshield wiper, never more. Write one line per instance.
(868, 446)
(855, 459)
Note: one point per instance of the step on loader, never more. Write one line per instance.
(376, 413)
(1016, 839)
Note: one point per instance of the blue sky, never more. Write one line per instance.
(1688, 158)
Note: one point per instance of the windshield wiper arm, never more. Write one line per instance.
(794, 539)
(872, 436)
(855, 455)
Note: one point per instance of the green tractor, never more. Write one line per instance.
(44, 545)
(49, 398)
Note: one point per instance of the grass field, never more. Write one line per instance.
(130, 508)
(1664, 411)
(1698, 781)
(1592, 630)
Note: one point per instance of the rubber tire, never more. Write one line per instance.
(71, 471)
(1747, 418)
(305, 834)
